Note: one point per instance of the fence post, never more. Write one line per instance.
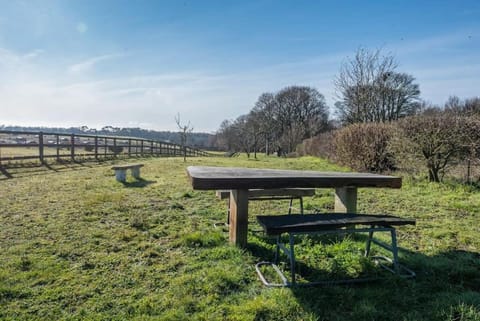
(58, 147)
(40, 147)
(129, 148)
(96, 147)
(72, 147)
(151, 148)
(469, 165)
(114, 147)
(141, 148)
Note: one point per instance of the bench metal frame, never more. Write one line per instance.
(397, 269)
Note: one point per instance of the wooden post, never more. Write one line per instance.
(141, 147)
(151, 147)
(40, 147)
(72, 147)
(114, 147)
(129, 148)
(105, 147)
(468, 170)
(239, 217)
(58, 148)
(96, 147)
(346, 200)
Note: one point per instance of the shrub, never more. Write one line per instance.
(365, 147)
(320, 145)
(439, 140)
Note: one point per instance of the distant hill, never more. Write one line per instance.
(198, 140)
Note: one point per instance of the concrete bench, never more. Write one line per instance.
(269, 194)
(332, 223)
(121, 171)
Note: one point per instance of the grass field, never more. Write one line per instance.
(77, 245)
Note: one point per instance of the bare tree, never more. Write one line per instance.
(472, 106)
(370, 90)
(185, 130)
(225, 135)
(265, 114)
(467, 107)
(438, 139)
(291, 115)
(281, 120)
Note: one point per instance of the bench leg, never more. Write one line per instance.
(290, 252)
(292, 258)
(300, 199)
(120, 175)
(238, 227)
(346, 200)
(277, 251)
(394, 250)
(228, 211)
(136, 172)
(369, 243)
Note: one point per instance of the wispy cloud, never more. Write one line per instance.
(88, 64)
(33, 54)
(204, 97)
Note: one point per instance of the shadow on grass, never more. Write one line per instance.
(447, 287)
(5, 173)
(50, 167)
(12, 171)
(140, 182)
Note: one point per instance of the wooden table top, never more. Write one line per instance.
(213, 178)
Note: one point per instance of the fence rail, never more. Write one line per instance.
(27, 145)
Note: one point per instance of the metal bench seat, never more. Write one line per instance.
(336, 223)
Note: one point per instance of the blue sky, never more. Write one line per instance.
(139, 63)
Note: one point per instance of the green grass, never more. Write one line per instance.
(77, 245)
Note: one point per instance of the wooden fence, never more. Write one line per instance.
(23, 145)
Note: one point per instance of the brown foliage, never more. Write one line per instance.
(365, 147)
(320, 146)
(440, 140)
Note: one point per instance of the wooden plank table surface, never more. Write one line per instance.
(239, 180)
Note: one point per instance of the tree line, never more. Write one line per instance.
(368, 87)
(380, 123)
(195, 139)
(277, 122)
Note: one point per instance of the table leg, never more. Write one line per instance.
(346, 200)
(238, 217)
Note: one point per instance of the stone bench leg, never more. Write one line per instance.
(136, 172)
(120, 175)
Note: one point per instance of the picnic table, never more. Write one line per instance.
(241, 180)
